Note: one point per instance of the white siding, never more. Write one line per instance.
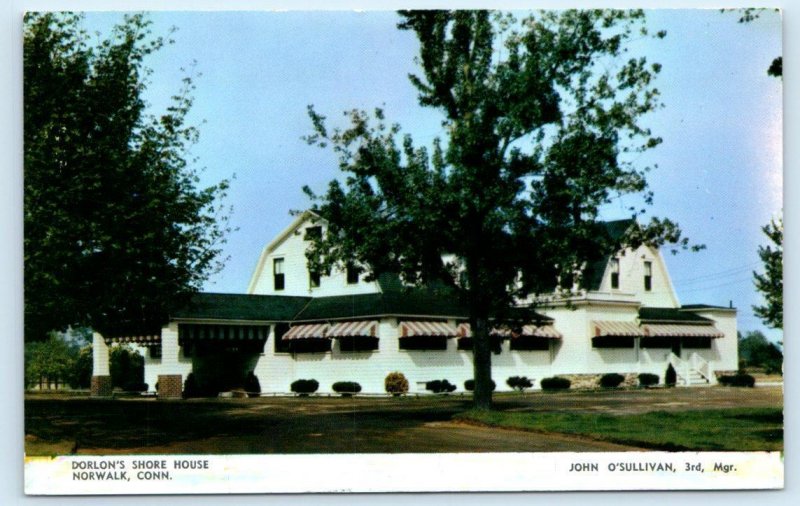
(631, 279)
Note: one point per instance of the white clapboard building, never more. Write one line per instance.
(294, 324)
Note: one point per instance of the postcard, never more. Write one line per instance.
(396, 251)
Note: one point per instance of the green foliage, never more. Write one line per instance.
(346, 387)
(737, 380)
(611, 380)
(519, 383)
(756, 351)
(542, 125)
(191, 388)
(440, 386)
(555, 383)
(469, 385)
(647, 380)
(126, 367)
(670, 377)
(395, 383)
(252, 385)
(770, 284)
(116, 228)
(305, 386)
(50, 363)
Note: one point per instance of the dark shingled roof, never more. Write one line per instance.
(690, 307)
(412, 301)
(234, 306)
(594, 274)
(668, 314)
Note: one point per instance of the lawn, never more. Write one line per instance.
(733, 429)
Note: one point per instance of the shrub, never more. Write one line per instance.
(252, 385)
(671, 377)
(647, 380)
(737, 380)
(440, 386)
(611, 380)
(305, 386)
(135, 386)
(191, 387)
(519, 382)
(346, 388)
(555, 383)
(470, 385)
(396, 383)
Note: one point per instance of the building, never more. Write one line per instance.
(295, 324)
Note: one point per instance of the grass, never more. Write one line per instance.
(737, 429)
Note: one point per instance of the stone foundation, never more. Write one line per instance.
(101, 386)
(587, 381)
(170, 386)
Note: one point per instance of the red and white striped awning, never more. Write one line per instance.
(679, 330)
(354, 329)
(143, 339)
(617, 329)
(430, 329)
(545, 331)
(308, 331)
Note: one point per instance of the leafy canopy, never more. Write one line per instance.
(770, 283)
(116, 227)
(541, 121)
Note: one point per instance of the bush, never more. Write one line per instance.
(647, 380)
(346, 388)
(737, 380)
(135, 386)
(190, 387)
(252, 385)
(519, 383)
(470, 385)
(396, 383)
(555, 383)
(440, 386)
(611, 380)
(305, 386)
(671, 377)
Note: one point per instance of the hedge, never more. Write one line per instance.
(519, 382)
(252, 385)
(395, 383)
(440, 386)
(737, 380)
(555, 383)
(611, 380)
(346, 388)
(305, 386)
(647, 380)
(469, 385)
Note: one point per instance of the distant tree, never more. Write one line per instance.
(770, 283)
(542, 124)
(126, 367)
(756, 351)
(49, 364)
(81, 376)
(748, 15)
(116, 228)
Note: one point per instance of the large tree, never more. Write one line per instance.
(541, 125)
(770, 283)
(117, 229)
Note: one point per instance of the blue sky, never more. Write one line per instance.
(720, 169)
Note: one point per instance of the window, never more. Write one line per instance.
(648, 276)
(423, 343)
(281, 346)
(615, 273)
(612, 342)
(358, 343)
(313, 279)
(277, 274)
(155, 351)
(697, 342)
(353, 274)
(313, 233)
(530, 343)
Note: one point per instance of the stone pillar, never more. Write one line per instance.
(101, 385)
(170, 386)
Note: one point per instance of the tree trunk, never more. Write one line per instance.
(482, 356)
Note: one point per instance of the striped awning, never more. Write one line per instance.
(545, 331)
(679, 330)
(143, 339)
(308, 331)
(354, 329)
(616, 329)
(431, 329)
(204, 332)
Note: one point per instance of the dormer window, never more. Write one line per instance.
(615, 273)
(277, 274)
(648, 276)
(313, 233)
